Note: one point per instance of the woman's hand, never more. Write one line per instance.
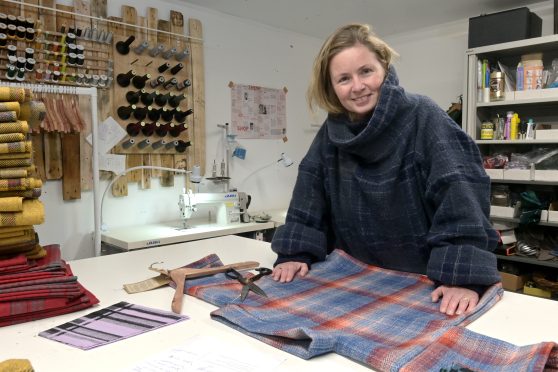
(286, 271)
(455, 300)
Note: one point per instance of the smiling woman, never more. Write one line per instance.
(386, 179)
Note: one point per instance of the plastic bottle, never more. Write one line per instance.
(514, 126)
(507, 125)
(519, 77)
(530, 130)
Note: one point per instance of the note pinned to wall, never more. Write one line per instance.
(258, 112)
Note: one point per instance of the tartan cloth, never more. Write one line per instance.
(8, 116)
(39, 288)
(15, 155)
(11, 137)
(14, 172)
(11, 204)
(10, 106)
(13, 126)
(111, 324)
(12, 184)
(29, 194)
(11, 147)
(379, 317)
(15, 94)
(33, 213)
(15, 163)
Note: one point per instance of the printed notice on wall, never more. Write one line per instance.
(258, 112)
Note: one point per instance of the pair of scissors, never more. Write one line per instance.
(248, 283)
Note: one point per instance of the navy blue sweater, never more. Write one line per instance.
(407, 192)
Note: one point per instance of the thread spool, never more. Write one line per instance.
(156, 82)
(174, 101)
(169, 53)
(11, 72)
(161, 99)
(70, 38)
(38, 74)
(156, 50)
(169, 84)
(29, 34)
(29, 52)
(164, 67)
(12, 60)
(180, 115)
(122, 47)
(132, 97)
(143, 144)
(180, 56)
(147, 98)
(3, 40)
(182, 146)
(176, 68)
(140, 113)
(20, 76)
(12, 31)
(72, 59)
(3, 28)
(153, 114)
(183, 84)
(3, 18)
(46, 75)
(12, 20)
(30, 64)
(56, 75)
(124, 112)
(133, 129)
(12, 50)
(166, 115)
(103, 81)
(158, 144)
(71, 48)
(20, 62)
(20, 21)
(95, 80)
(147, 129)
(139, 81)
(129, 143)
(80, 49)
(141, 48)
(29, 23)
(170, 145)
(80, 60)
(161, 129)
(20, 32)
(175, 130)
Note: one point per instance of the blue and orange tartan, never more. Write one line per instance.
(378, 317)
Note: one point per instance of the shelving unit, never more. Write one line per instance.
(543, 110)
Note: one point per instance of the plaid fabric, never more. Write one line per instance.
(111, 324)
(12, 184)
(379, 317)
(15, 94)
(10, 106)
(36, 289)
(33, 214)
(8, 116)
(13, 126)
(29, 194)
(11, 137)
(14, 172)
(11, 147)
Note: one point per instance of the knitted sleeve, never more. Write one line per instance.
(457, 195)
(303, 237)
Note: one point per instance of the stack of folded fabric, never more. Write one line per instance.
(35, 289)
(20, 208)
(35, 282)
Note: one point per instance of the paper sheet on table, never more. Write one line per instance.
(208, 354)
(110, 134)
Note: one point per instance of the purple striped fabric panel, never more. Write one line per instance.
(111, 324)
(379, 317)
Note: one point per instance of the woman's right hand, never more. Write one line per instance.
(286, 271)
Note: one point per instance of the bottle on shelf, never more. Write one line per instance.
(147, 129)
(133, 129)
(174, 101)
(147, 98)
(176, 129)
(139, 81)
(124, 79)
(161, 99)
(124, 112)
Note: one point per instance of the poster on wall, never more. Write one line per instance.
(258, 112)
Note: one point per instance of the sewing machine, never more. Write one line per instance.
(230, 207)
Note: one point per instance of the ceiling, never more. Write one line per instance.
(318, 18)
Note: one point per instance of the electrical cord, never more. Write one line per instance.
(103, 225)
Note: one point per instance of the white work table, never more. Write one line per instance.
(153, 235)
(517, 318)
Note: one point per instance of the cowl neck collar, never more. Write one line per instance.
(370, 142)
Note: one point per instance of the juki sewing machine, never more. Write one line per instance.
(231, 207)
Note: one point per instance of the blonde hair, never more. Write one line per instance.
(320, 91)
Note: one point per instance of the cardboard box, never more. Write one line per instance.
(495, 28)
(533, 291)
(504, 212)
(535, 93)
(513, 282)
(546, 134)
(518, 174)
(495, 174)
(550, 175)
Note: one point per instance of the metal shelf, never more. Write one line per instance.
(525, 182)
(528, 260)
(516, 220)
(516, 142)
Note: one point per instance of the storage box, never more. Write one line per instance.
(518, 174)
(533, 291)
(501, 27)
(548, 175)
(502, 212)
(495, 174)
(546, 134)
(513, 282)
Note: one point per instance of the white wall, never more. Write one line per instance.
(432, 63)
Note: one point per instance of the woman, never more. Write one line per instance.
(389, 178)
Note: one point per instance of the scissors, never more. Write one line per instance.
(248, 283)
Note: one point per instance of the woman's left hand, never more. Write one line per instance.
(455, 300)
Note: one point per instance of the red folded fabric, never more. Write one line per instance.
(7, 263)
